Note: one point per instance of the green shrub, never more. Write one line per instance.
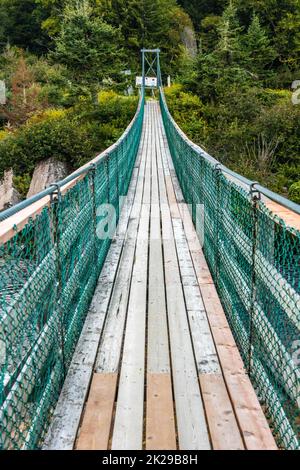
(188, 111)
(294, 192)
(254, 131)
(22, 184)
(115, 109)
(74, 136)
(3, 134)
(60, 138)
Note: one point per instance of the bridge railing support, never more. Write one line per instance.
(55, 199)
(255, 198)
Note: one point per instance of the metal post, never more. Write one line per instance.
(55, 206)
(217, 172)
(255, 198)
(151, 65)
(92, 176)
(158, 68)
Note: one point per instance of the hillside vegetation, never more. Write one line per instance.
(69, 69)
(240, 88)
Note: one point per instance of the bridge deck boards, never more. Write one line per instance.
(166, 374)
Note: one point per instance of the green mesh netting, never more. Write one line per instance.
(255, 261)
(49, 270)
(48, 274)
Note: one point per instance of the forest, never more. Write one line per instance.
(69, 68)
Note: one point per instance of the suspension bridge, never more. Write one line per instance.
(178, 330)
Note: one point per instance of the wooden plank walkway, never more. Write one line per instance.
(156, 366)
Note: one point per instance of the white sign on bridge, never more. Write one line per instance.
(150, 82)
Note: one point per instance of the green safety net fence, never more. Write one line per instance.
(255, 262)
(48, 275)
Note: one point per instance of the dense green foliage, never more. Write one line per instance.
(280, 19)
(20, 25)
(37, 24)
(73, 136)
(249, 132)
(88, 47)
(148, 23)
(58, 57)
(199, 10)
(243, 78)
(234, 96)
(295, 192)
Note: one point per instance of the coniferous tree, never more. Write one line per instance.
(229, 44)
(149, 24)
(87, 46)
(258, 50)
(281, 20)
(53, 13)
(222, 68)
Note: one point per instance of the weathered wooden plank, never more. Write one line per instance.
(8, 228)
(175, 214)
(169, 166)
(189, 409)
(204, 348)
(66, 419)
(128, 426)
(252, 422)
(290, 218)
(108, 359)
(158, 341)
(160, 422)
(200, 265)
(223, 428)
(254, 426)
(203, 344)
(95, 429)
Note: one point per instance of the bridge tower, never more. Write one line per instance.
(151, 75)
